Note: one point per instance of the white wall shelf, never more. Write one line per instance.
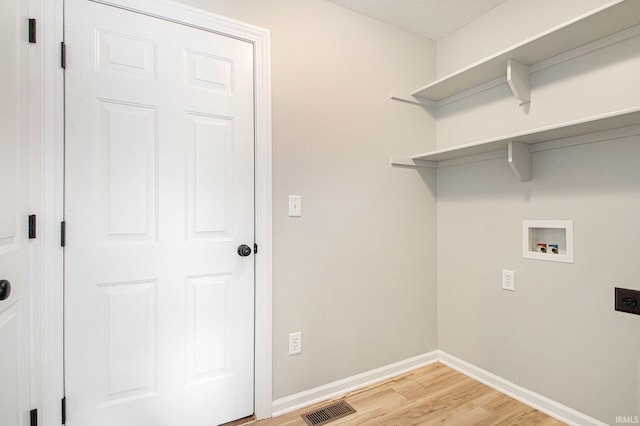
(518, 158)
(609, 19)
(513, 64)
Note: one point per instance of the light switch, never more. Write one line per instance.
(295, 206)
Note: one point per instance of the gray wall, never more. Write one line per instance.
(558, 333)
(357, 273)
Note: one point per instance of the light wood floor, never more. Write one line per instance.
(435, 394)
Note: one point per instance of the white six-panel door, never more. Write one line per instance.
(159, 176)
(14, 189)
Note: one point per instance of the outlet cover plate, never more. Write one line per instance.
(295, 343)
(508, 280)
(627, 300)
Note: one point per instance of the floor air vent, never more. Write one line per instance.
(328, 413)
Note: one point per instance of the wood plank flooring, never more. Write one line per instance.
(432, 395)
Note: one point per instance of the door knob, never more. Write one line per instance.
(5, 289)
(244, 250)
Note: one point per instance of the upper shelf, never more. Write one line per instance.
(609, 19)
(584, 126)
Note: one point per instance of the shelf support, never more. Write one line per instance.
(518, 79)
(519, 159)
(414, 100)
(409, 162)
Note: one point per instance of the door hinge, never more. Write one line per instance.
(63, 233)
(63, 406)
(255, 248)
(32, 30)
(32, 226)
(33, 416)
(63, 55)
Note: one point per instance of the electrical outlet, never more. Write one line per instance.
(295, 343)
(627, 300)
(508, 280)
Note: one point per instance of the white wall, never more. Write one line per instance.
(357, 273)
(558, 333)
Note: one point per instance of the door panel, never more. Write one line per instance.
(14, 189)
(158, 196)
(127, 161)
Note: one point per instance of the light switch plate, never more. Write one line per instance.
(295, 206)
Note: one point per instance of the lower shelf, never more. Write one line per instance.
(583, 126)
(516, 143)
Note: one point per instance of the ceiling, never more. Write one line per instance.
(430, 18)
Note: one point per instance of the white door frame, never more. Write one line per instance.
(53, 188)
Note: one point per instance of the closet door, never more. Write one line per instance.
(159, 300)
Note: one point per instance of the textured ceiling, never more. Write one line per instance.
(430, 18)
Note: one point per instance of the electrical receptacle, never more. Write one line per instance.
(295, 343)
(627, 300)
(508, 280)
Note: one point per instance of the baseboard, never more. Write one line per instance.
(539, 402)
(341, 387)
(349, 384)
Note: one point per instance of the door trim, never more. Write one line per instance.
(53, 173)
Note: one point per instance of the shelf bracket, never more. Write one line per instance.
(519, 159)
(414, 100)
(409, 162)
(518, 79)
